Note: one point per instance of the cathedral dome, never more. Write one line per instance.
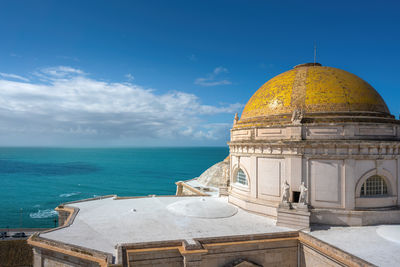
(314, 89)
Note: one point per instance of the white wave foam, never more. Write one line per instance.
(40, 214)
(37, 206)
(69, 194)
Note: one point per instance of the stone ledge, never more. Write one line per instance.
(355, 217)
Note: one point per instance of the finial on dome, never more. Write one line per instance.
(307, 65)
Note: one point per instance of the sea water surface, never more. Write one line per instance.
(34, 181)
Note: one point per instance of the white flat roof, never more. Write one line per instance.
(379, 245)
(102, 224)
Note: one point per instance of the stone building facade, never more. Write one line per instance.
(328, 129)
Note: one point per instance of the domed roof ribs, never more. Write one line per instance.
(299, 87)
(346, 95)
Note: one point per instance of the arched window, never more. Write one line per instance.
(374, 186)
(241, 177)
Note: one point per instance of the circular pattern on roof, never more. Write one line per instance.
(206, 207)
(389, 232)
(313, 89)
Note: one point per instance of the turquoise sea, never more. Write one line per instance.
(34, 181)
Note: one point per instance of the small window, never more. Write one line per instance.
(241, 177)
(374, 186)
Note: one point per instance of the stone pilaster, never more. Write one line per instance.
(349, 184)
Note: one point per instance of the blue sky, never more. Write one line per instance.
(167, 73)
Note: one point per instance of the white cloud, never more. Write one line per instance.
(61, 71)
(219, 70)
(13, 76)
(214, 78)
(69, 103)
(210, 82)
(213, 131)
(129, 76)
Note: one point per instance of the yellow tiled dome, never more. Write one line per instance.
(313, 88)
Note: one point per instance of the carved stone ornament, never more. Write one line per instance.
(297, 116)
(303, 194)
(285, 192)
(236, 119)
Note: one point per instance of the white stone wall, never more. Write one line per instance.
(270, 176)
(326, 183)
(332, 183)
(332, 171)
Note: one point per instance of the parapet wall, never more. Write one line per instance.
(277, 249)
(355, 217)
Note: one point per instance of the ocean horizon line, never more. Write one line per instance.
(113, 147)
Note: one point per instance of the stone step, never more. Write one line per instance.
(294, 219)
(292, 222)
(300, 218)
(292, 216)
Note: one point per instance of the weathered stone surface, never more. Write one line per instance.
(216, 175)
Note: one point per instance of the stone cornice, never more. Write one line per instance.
(316, 143)
(349, 131)
(331, 148)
